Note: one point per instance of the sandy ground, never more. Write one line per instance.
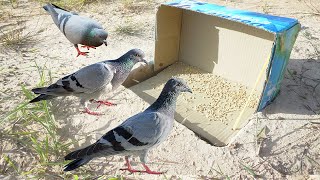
(291, 124)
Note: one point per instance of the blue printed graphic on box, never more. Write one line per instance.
(285, 30)
(263, 21)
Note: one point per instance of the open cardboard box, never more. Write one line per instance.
(248, 48)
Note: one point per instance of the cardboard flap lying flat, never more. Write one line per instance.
(216, 131)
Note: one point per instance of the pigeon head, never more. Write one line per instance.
(99, 35)
(168, 97)
(137, 55)
(177, 85)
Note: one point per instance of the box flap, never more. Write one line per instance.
(274, 24)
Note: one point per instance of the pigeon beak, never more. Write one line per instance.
(188, 90)
(144, 61)
(105, 42)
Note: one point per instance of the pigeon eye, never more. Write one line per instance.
(137, 55)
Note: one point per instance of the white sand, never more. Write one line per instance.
(290, 137)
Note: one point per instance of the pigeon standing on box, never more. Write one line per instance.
(138, 134)
(92, 81)
(78, 29)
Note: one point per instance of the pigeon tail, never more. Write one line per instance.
(41, 97)
(58, 7)
(76, 163)
(48, 7)
(41, 90)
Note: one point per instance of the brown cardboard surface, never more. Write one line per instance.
(217, 129)
(139, 74)
(235, 51)
(167, 36)
(230, 49)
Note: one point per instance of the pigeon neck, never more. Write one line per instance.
(127, 64)
(166, 102)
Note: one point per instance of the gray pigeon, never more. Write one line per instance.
(77, 29)
(138, 134)
(92, 81)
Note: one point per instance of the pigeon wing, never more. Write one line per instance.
(88, 79)
(75, 28)
(139, 132)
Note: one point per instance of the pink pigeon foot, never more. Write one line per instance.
(81, 53)
(129, 168)
(148, 171)
(100, 102)
(92, 112)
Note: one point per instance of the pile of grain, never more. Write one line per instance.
(213, 96)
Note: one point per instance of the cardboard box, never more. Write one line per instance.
(246, 48)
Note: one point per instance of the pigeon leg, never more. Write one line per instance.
(79, 52)
(129, 168)
(91, 112)
(100, 102)
(148, 171)
(88, 47)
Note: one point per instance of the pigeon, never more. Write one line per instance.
(92, 81)
(138, 134)
(77, 29)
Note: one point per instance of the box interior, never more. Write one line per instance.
(232, 50)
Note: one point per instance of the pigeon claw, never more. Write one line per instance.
(107, 103)
(88, 47)
(92, 112)
(152, 172)
(131, 170)
(148, 171)
(82, 53)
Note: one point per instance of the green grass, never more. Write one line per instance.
(221, 173)
(14, 34)
(35, 129)
(128, 4)
(129, 28)
(16, 37)
(10, 163)
(250, 170)
(136, 6)
(32, 129)
(69, 4)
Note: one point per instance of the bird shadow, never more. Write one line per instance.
(74, 124)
